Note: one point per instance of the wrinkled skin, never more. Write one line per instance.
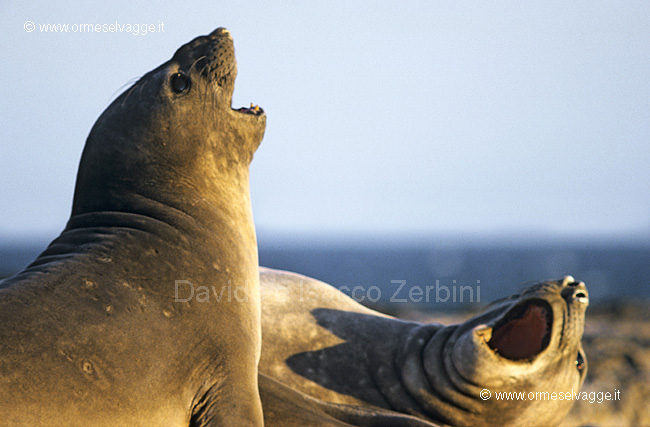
(321, 343)
(92, 333)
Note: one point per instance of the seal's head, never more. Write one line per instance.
(528, 345)
(173, 137)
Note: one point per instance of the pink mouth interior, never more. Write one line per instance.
(522, 337)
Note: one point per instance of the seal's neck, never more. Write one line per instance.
(416, 379)
(184, 204)
(206, 227)
(185, 182)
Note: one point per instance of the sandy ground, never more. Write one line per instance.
(617, 344)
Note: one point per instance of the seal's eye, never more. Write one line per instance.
(180, 82)
(580, 362)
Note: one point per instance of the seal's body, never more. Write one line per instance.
(322, 343)
(287, 407)
(91, 330)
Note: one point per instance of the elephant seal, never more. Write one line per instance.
(99, 329)
(322, 343)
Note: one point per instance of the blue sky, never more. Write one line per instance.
(383, 117)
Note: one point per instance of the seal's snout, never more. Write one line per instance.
(575, 291)
(568, 280)
(220, 32)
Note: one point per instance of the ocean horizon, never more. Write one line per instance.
(430, 274)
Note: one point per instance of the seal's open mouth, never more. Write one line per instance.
(524, 331)
(255, 110)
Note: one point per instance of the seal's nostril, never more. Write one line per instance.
(575, 291)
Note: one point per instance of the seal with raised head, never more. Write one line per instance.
(92, 331)
(320, 342)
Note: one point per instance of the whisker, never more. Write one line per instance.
(119, 90)
(130, 91)
(141, 88)
(196, 62)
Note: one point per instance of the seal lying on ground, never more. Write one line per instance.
(322, 343)
(91, 333)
